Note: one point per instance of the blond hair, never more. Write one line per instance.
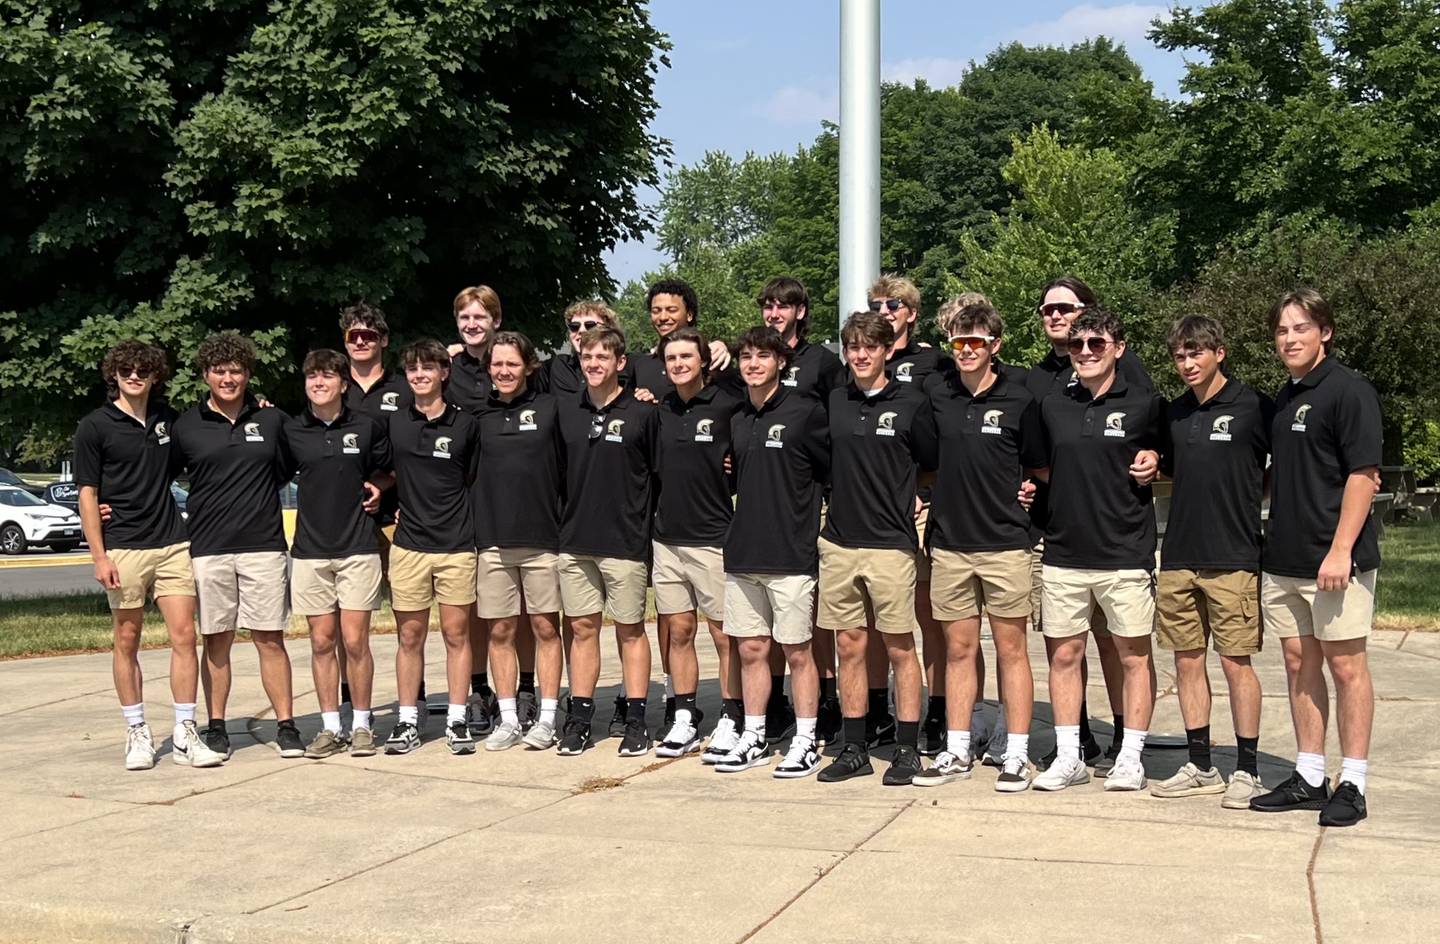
(891, 285)
(594, 307)
(967, 311)
(485, 295)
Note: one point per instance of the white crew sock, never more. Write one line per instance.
(1017, 745)
(184, 711)
(454, 713)
(134, 714)
(1354, 769)
(805, 727)
(331, 721)
(409, 714)
(1311, 767)
(1131, 745)
(509, 714)
(957, 742)
(361, 719)
(756, 723)
(548, 707)
(1067, 741)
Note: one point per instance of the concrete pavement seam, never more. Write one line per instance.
(1310, 885)
(59, 701)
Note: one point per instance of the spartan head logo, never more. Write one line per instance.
(775, 431)
(992, 417)
(1116, 421)
(1300, 412)
(527, 417)
(161, 430)
(351, 440)
(1221, 424)
(704, 427)
(614, 427)
(252, 429)
(902, 373)
(792, 375)
(391, 399)
(886, 421)
(442, 445)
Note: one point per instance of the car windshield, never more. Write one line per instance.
(18, 499)
(9, 478)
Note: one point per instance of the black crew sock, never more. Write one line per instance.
(827, 688)
(908, 733)
(527, 682)
(635, 708)
(936, 707)
(1198, 741)
(582, 708)
(1086, 735)
(733, 709)
(777, 690)
(1119, 729)
(686, 702)
(1246, 759)
(879, 705)
(479, 682)
(855, 732)
(344, 693)
(218, 724)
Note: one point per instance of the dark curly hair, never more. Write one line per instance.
(362, 314)
(682, 290)
(137, 355)
(1099, 321)
(766, 338)
(227, 347)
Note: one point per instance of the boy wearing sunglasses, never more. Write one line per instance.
(561, 374)
(991, 439)
(611, 443)
(1099, 543)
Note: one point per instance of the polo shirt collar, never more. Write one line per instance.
(444, 419)
(115, 413)
(1318, 373)
(994, 390)
(911, 347)
(250, 406)
(706, 394)
(778, 397)
(1053, 362)
(1080, 392)
(386, 375)
(1226, 394)
(526, 396)
(309, 418)
(886, 392)
(586, 402)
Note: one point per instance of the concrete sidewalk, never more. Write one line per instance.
(520, 847)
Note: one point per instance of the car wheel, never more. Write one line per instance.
(64, 547)
(12, 540)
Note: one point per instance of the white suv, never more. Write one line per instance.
(27, 520)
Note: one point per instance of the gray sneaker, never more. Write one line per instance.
(505, 736)
(362, 743)
(326, 744)
(1243, 787)
(541, 736)
(1191, 781)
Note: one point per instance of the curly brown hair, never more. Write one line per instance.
(362, 314)
(130, 354)
(522, 345)
(227, 347)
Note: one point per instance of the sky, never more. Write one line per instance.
(760, 75)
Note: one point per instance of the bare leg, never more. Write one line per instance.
(1309, 695)
(524, 641)
(635, 658)
(179, 613)
(684, 665)
(1015, 683)
(663, 641)
(962, 647)
(355, 635)
(805, 679)
(853, 645)
(582, 648)
(324, 666)
(755, 673)
(125, 656)
(456, 627)
(1134, 652)
(1066, 691)
(900, 648)
(215, 672)
(412, 626)
(1244, 687)
(1114, 672)
(1193, 683)
(478, 634)
(725, 652)
(1354, 695)
(504, 677)
(549, 653)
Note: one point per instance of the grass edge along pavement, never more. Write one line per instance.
(1408, 599)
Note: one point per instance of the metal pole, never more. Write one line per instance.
(859, 152)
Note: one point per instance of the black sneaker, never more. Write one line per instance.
(1103, 763)
(932, 736)
(636, 741)
(217, 739)
(527, 708)
(1295, 794)
(879, 730)
(617, 720)
(853, 761)
(903, 768)
(1090, 752)
(287, 738)
(830, 722)
(481, 710)
(458, 738)
(1346, 806)
(404, 738)
(575, 738)
(779, 720)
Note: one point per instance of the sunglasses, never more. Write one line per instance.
(141, 372)
(970, 342)
(577, 326)
(597, 426)
(362, 336)
(1060, 308)
(891, 305)
(1093, 345)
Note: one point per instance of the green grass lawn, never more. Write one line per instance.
(1409, 598)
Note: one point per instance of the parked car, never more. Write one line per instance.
(64, 494)
(182, 498)
(27, 520)
(10, 478)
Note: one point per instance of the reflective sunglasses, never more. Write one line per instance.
(891, 305)
(970, 342)
(597, 426)
(362, 336)
(1093, 345)
(1060, 308)
(578, 326)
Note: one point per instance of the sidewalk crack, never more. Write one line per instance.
(1310, 885)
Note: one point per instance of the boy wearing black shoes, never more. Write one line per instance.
(1317, 589)
(879, 434)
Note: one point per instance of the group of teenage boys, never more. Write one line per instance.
(815, 511)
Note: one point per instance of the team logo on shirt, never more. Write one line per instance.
(162, 433)
(902, 373)
(252, 433)
(442, 447)
(885, 425)
(1220, 429)
(527, 420)
(1298, 424)
(990, 422)
(614, 431)
(1115, 424)
(390, 401)
(350, 444)
(704, 431)
(772, 438)
(792, 376)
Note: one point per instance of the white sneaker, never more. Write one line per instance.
(752, 751)
(1243, 787)
(188, 748)
(1065, 772)
(723, 740)
(681, 739)
(1126, 775)
(505, 736)
(801, 760)
(946, 768)
(139, 747)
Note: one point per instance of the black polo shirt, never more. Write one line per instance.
(435, 462)
(517, 495)
(986, 444)
(128, 463)
(388, 395)
(1215, 451)
(650, 374)
(913, 364)
(469, 383)
(335, 461)
(1099, 517)
(876, 442)
(694, 508)
(813, 373)
(1325, 427)
(782, 460)
(611, 458)
(561, 378)
(236, 473)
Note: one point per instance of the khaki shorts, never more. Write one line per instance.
(611, 585)
(1098, 625)
(774, 605)
(1071, 595)
(687, 579)
(318, 587)
(385, 537)
(922, 560)
(965, 583)
(507, 575)
(857, 583)
(421, 578)
(242, 591)
(151, 572)
(1196, 607)
(1293, 607)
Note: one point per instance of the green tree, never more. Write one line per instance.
(177, 167)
